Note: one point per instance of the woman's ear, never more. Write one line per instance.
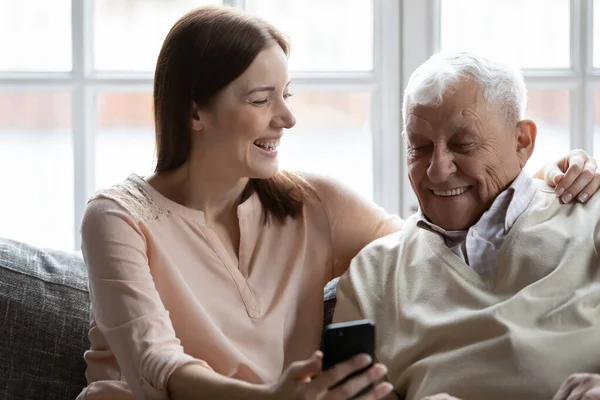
(196, 122)
(527, 132)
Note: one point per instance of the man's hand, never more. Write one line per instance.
(580, 387)
(440, 396)
(575, 176)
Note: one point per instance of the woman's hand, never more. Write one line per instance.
(580, 387)
(305, 380)
(575, 176)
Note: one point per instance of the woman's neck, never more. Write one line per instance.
(201, 189)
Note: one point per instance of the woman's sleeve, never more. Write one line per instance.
(353, 220)
(126, 306)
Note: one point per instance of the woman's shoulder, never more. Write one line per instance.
(340, 199)
(327, 187)
(129, 196)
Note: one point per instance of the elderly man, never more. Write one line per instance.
(492, 290)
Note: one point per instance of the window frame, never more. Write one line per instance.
(383, 83)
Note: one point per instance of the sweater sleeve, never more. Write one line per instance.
(353, 220)
(368, 287)
(347, 307)
(125, 303)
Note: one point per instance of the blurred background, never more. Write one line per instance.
(76, 81)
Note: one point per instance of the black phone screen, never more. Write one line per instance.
(344, 340)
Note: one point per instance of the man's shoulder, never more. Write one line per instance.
(384, 244)
(394, 242)
(377, 256)
(546, 210)
(546, 200)
(542, 187)
(381, 257)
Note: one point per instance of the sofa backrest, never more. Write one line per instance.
(44, 321)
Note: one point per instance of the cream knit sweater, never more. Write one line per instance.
(441, 328)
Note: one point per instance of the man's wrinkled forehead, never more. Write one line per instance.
(458, 105)
(417, 121)
(426, 118)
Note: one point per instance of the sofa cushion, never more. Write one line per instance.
(330, 300)
(44, 320)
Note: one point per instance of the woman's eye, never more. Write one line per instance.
(260, 102)
(288, 95)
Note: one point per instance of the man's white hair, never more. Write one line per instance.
(501, 85)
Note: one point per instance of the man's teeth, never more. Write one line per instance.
(268, 144)
(451, 192)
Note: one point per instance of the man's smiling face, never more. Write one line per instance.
(461, 154)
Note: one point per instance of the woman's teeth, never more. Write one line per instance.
(451, 192)
(268, 145)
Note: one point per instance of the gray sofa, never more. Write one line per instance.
(44, 321)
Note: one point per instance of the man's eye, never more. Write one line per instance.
(419, 151)
(463, 146)
(420, 148)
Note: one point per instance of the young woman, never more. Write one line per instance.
(207, 278)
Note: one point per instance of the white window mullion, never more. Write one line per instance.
(579, 60)
(83, 139)
(334, 80)
(434, 8)
(552, 83)
(420, 39)
(34, 79)
(589, 88)
(386, 124)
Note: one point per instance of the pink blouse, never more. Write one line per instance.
(166, 293)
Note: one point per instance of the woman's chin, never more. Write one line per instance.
(265, 172)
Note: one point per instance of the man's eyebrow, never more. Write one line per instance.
(411, 134)
(462, 130)
(265, 88)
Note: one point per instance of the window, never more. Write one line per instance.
(36, 148)
(555, 42)
(75, 100)
(44, 32)
(541, 40)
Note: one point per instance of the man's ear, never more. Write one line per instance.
(196, 122)
(527, 132)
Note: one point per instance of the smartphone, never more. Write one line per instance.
(344, 340)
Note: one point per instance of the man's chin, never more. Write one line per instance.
(453, 213)
(453, 222)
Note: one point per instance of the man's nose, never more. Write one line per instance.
(441, 166)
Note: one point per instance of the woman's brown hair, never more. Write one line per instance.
(204, 51)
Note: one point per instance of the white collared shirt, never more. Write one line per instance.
(478, 246)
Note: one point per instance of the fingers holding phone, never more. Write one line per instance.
(367, 385)
(345, 346)
(305, 380)
(354, 378)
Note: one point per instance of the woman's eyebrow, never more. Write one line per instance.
(262, 89)
(265, 88)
